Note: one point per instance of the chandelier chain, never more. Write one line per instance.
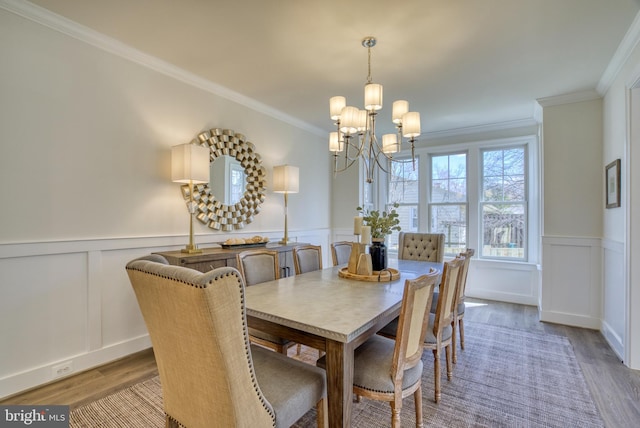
(369, 64)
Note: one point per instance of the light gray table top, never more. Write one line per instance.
(324, 304)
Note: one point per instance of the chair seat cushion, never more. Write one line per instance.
(266, 336)
(290, 386)
(390, 329)
(372, 366)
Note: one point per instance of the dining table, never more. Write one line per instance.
(335, 314)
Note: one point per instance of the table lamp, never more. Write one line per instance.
(285, 180)
(190, 165)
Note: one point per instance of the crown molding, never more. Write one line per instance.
(574, 97)
(87, 35)
(620, 57)
(480, 129)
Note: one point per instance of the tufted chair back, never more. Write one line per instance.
(421, 246)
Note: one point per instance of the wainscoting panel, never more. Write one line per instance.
(68, 306)
(42, 310)
(503, 281)
(614, 308)
(571, 281)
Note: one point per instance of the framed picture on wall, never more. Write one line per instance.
(612, 180)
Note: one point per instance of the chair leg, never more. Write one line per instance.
(322, 413)
(417, 398)
(453, 341)
(461, 328)
(436, 374)
(396, 407)
(448, 351)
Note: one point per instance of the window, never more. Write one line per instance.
(404, 189)
(480, 194)
(448, 200)
(503, 204)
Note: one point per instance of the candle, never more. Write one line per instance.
(357, 225)
(366, 235)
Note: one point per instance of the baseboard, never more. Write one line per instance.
(571, 319)
(20, 382)
(614, 341)
(519, 299)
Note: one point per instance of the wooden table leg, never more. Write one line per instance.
(339, 382)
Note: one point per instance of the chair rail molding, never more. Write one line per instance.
(73, 301)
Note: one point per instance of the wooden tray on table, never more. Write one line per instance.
(387, 275)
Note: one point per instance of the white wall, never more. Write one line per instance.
(571, 290)
(621, 321)
(85, 137)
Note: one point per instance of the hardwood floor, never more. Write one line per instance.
(614, 388)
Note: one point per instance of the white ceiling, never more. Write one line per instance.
(460, 63)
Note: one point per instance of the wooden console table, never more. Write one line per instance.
(212, 258)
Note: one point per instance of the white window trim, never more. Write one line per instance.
(482, 202)
(473, 148)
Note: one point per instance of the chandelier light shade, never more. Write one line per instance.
(355, 137)
(411, 124)
(335, 145)
(390, 143)
(286, 179)
(190, 164)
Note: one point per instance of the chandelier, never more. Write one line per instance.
(355, 137)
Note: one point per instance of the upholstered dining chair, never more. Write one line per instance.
(340, 252)
(390, 370)
(440, 331)
(307, 258)
(209, 372)
(256, 266)
(421, 246)
(459, 306)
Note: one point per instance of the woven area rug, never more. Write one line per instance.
(503, 378)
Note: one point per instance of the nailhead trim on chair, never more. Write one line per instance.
(235, 273)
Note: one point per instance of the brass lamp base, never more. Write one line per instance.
(191, 250)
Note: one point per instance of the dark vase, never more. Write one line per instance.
(378, 252)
